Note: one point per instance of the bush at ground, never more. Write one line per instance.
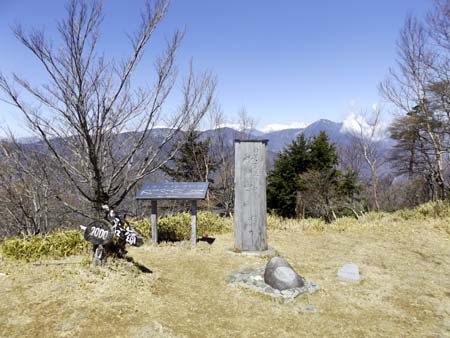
(437, 209)
(54, 245)
(178, 227)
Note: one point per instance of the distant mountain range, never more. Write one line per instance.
(279, 139)
(337, 132)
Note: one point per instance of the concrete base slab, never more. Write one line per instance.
(269, 252)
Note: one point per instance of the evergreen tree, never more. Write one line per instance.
(193, 162)
(282, 187)
(348, 186)
(304, 179)
(328, 193)
(422, 146)
(322, 154)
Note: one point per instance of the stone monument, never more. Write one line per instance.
(250, 206)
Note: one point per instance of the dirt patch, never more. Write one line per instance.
(404, 291)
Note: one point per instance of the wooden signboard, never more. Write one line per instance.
(173, 191)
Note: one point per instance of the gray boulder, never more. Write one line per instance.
(280, 275)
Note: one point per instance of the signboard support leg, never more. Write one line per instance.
(154, 218)
(194, 223)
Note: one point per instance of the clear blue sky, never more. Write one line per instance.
(284, 61)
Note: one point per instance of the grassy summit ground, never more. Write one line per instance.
(404, 260)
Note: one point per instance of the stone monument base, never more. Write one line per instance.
(253, 279)
(269, 252)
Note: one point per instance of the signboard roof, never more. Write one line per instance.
(173, 191)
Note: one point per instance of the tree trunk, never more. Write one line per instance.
(299, 206)
(375, 188)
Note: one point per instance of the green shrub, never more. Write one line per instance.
(275, 222)
(345, 223)
(178, 227)
(437, 209)
(407, 214)
(54, 245)
(315, 225)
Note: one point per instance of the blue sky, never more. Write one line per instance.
(284, 61)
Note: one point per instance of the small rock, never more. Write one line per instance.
(349, 272)
(241, 277)
(230, 279)
(2, 274)
(280, 275)
(261, 284)
(311, 287)
(309, 308)
(247, 271)
(286, 293)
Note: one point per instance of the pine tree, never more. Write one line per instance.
(193, 162)
(282, 187)
(304, 179)
(322, 153)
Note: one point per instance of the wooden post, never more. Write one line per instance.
(154, 221)
(194, 223)
(250, 210)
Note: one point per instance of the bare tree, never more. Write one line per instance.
(438, 28)
(27, 190)
(420, 87)
(223, 153)
(366, 138)
(350, 157)
(246, 124)
(82, 112)
(412, 154)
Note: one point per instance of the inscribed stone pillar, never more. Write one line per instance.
(250, 207)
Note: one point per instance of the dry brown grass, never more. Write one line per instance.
(405, 292)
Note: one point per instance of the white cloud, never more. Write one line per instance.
(278, 126)
(268, 128)
(234, 126)
(358, 125)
